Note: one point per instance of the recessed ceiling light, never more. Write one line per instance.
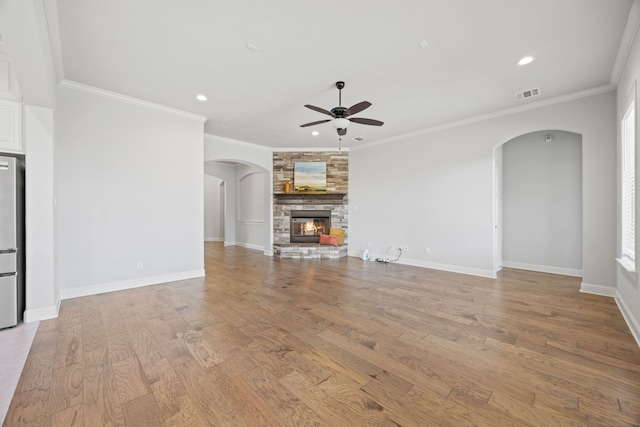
(526, 60)
(423, 43)
(315, 133)
(200, 97)
(251, 47)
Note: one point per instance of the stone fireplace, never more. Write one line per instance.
(289, 208)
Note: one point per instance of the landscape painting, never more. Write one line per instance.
(310, 177)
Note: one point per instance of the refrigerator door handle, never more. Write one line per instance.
(8, 251)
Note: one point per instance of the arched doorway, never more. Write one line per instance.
(539, 203)
(244, 203)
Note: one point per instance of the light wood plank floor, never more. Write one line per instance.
(270, 342)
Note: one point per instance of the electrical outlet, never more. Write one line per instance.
(427, 251)
(139, 265)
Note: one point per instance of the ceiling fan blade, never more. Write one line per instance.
(320, 110)
(315, 123)
(362, 121)
(358, 107)
(342, 132)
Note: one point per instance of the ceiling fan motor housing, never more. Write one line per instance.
(339, 111)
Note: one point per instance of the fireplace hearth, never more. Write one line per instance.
(307, 225)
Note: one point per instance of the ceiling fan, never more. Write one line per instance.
(341, 114)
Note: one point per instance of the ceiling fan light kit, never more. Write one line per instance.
(339, 123)
(341, 114)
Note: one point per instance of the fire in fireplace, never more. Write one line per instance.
(306, 226)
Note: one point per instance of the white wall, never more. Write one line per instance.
(129, 190)
(430, 192)
(213, 215)
(542, 203)
(42, 293)
(627, 292)
(435, 190)
(251, 192)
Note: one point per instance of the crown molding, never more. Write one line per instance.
(213, 137)
(497, 114)
(69, 84)
(626, 43)
(309, 149)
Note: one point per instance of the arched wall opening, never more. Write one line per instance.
(539, 203)
(239, 203)
(231, 161)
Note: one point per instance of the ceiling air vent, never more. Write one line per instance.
(527, 93)
(359, 139)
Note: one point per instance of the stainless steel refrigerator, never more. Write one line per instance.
(12, 250)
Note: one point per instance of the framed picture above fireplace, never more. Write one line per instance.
(310, 177)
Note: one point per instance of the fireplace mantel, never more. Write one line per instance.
(294, 199)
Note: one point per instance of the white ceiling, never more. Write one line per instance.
(167, 51)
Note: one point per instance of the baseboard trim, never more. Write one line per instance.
(627, 315)
(434, 266)
(631, 321)
(39, 314)
(250, 246)
(128, 284)
(214, 239)
(543, 268)
(605, 291)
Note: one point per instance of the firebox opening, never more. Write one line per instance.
(306, 226)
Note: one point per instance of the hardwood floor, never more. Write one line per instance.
(270, 342)
(14, 348)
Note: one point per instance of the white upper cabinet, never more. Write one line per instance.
(9, 88)
(11, 126)
(10, 106)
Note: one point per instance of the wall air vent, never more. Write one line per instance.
(359, 139)
(527, 94)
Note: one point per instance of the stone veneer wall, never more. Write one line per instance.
(337, 169)
(336, 199)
